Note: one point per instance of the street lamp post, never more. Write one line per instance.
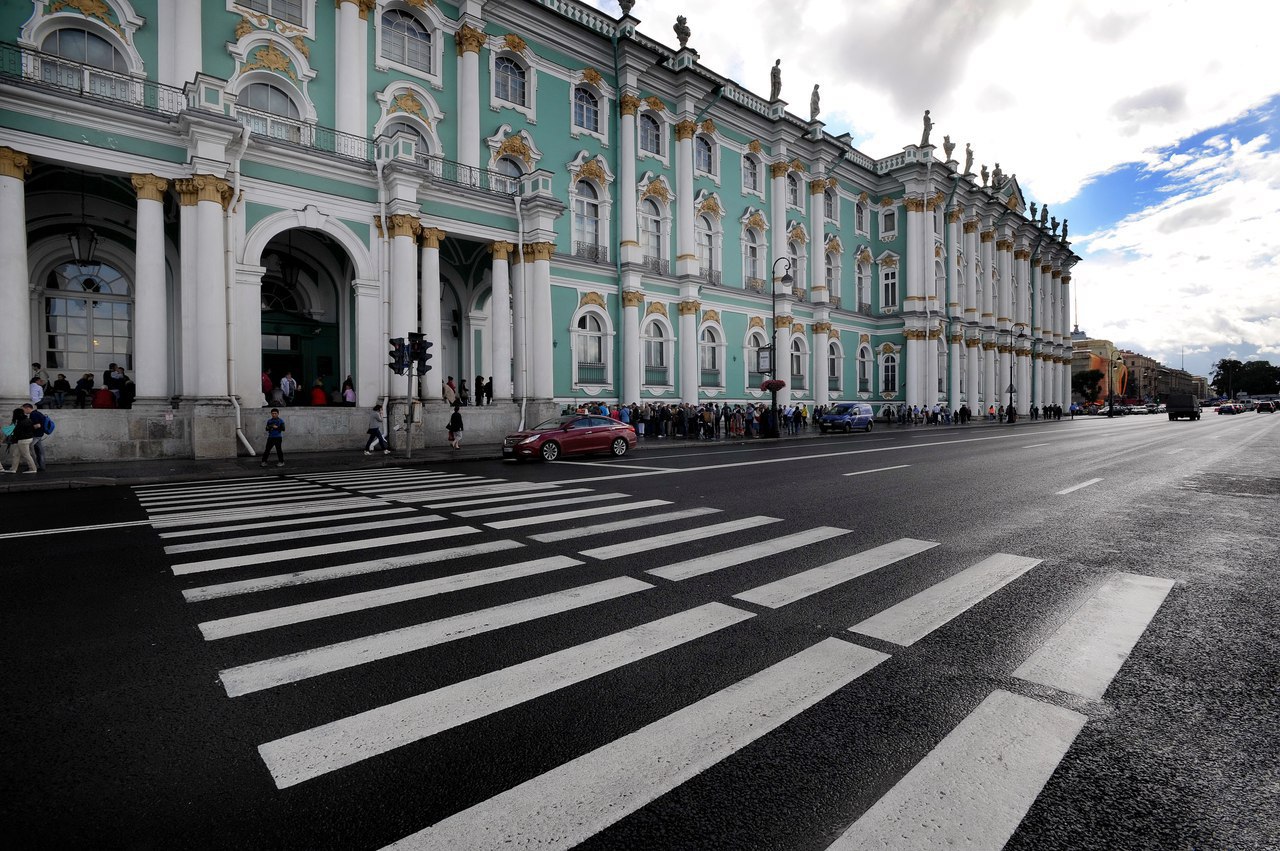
(786, 280)
(1013, 360)
(1111, 406)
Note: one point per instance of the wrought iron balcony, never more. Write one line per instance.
(833, 382)
(755, 284)
(864, 307)
(711, 276)
(797, 382)
(656, 375)
(657, 265)
(591, 251)
(44, 70)
(864, 385)
(312, 136)
(710, 378)
(471, 177)
(592, 373)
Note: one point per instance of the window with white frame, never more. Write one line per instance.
(710, 358)
(651, 233)
(704, 155)
(889, 374)
(835, 366)
(86, 48)
(586, 109)
(590, 349)
(939, 279)
(406, 41)
(964, 360)
(650, 134)
(831, 272)
(271, 112)
(888, 286)
(586, 215)
(796, 254)
(794, 195)
(750, 174)
(864, 369)
(830, 205)
(888, 222)
(864, 284)
(707, 239)
(657, 353)
(860, 217)
(284, 10)
(752, 255)
(510, 81)
(756, 341)
(799, 364)
(511, 172)
(942, 365)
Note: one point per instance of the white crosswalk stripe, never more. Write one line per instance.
(223, 515)
(453, 502)
(801, 585)
(541, 519)
(751, 552)
(294, 521)
(671, 539)
(622, 525)
(284, 537)
(538, 506)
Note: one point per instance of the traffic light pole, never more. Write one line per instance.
(413, 401)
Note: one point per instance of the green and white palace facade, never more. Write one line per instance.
(555, 199)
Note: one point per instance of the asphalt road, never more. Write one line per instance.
(1054, 636)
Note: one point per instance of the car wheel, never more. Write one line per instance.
(619, 447)
(847, 428)
(868, 428)
(550, 450)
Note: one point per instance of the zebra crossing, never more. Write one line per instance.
(257, 536)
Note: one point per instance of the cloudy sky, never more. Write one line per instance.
(1154, 127)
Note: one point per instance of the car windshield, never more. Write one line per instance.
(554, 422)
(844, 410)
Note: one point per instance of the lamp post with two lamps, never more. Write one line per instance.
(769, 363)
(1011, 412)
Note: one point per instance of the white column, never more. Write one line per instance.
(821, 369)
(972, 308)
(469, 41)
(404, 294)
(211, 288)
(934, 334)
(1064, 309)
(351, 47)
(782, 350)
(244, 338)
(15, 309)
(151, 299)
(778, 220)
(955, 343)
(688, 340)
(817, 234)
(180, 44)
(629, 248)
(686, 245)
(543, 367)
(632, 301)
(990, 368)
(370, 347)
(429, 311)
(520, 364)
(188, 306)
(972, 381)
(500, 320)
(1004, 315)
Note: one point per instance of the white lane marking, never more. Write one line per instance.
(269, 673)
(879, 470)
(312, 753)
(167, 485)
(264, 502)
(801, 585)
(613, 464)
(1087, 651)
(570, 803)
(539, 519)
(380, 471)
(361, 600)
(218, 515)
(975, 787)
(535, 506)
(435, 485)
(1035, 445)
(620, 525)
(786, 459)
(32, 533)
(512, 488)
(730, 558)
(672, 538)
(286, 537)
(296, 521)
(359, 568)
(1077, 487)
(917, 616)
(321, 549)
(258, 495)
(1176, 451)
(451, 503)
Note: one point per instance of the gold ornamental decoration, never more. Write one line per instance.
(431, 237)
(1045, 269)
(708, 126)
(593, 170)
(987, 236)
(755, 322)
(514, 145)
(187, 197)
(592, 298)
(782, 323)
(834, 246)
(798, 234)
(834, 333)
(779, 170)
(887, 349)
(655, 103)
(301, 46)
(501, 250)
(149, 187)
(408, 102)
(797, 329)
(832, 183)
(632, 298)
(822, 327)
(711, 316)
(817, 187)
(14, 163)
(1022, 254)
(685, 130)
(592, 76)
(210, 188)
(1004, 245)
(754, 146)
(914, 205)
(243, 28)
(657, 189)
(889, 263)
(796, 165)
(711, 207)
(1066, 279)
(971, 226)
(954, 216)
(271, 59)
(628, 104)
(1055, 274)
(658, 308)
(886, 201)
(403, 225)
(864, 254)
(516, 44)
(864, 197)
(90, 9)
(756, 220)
(468, 39)
(937, 252)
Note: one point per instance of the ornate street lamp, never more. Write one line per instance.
(786, 280)
(1111, 406)
(1013, 360)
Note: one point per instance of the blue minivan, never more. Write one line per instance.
(847, 416)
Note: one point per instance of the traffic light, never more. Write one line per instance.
(399, 356)
(420, 351)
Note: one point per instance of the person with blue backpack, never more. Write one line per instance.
(42, 425)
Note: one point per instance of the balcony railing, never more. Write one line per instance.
(45, 70)
(798, 293)
(833, 301)
(833, 382)
(711, 276)
(710, 378)
(592, 373)
(755, 284)
(313, 136)
(657, 265)
(864, 307)
(754, 379)
(864, 385)
(591, 251)
(797, 382)
(656, 375)
(469, 176)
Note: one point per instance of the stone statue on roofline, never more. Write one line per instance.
(775, 81)
(997, 177)
(813, 103)
(1053, 223)
(947, 147)
(928, 125)
(968, 159)
(1064, 230)
(682, 31)
(626, 6)
(1044, 216)
(1033, 211)
(984, 175)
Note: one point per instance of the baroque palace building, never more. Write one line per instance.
(202, 190)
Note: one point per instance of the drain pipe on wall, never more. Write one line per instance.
(524, 319)
(228, 265)
(384, 278)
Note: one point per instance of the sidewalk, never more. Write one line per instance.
(112, 474)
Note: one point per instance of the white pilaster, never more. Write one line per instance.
(632, 301)
(500, 320)
(817, 234)
(821, 369)
(469, 41)
(15, 311)
(188, 284)
(151, 300)
(629, 249)
(689, 367)
(543, 369)
(180, 25)
(686, 247)
(520, 325)
(429, 294)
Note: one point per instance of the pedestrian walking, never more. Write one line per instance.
(377, 432)
(20, 437)
(455, 427)
(41, 427)
(275, 437)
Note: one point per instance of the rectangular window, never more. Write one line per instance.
(285, 10)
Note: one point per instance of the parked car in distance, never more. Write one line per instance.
(1182, 405)
(574, 434)
(1105, 410)
(1138, 409)
(1266, 407)
(1230, 408)
(847, 416)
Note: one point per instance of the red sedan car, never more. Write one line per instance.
(575, 434)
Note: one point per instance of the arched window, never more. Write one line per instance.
(651, 233)
(750, 174)
(704, 235)
(83, 47)
(939, 279)
(586, 110)
(864, 369)
(795, 253)
(753, 257)
(755, 342)
(864, 287)
(799, 364)
(510, 81)
(591, 367)
(860, 217)
(405, 40)
(710, 360)
(831, 272)
(889, 286)
(889, 374)
(793, 191)
(420, 140)
(888, 223)
(586, 216)
(270, 112)
(656, 354)
(703, 159)
(88, 319)
(511, 172)
(650, 134)
(830, 206)
(835, 366)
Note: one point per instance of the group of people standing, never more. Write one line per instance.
(287, 391)
(119, 388)
(460, 393)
